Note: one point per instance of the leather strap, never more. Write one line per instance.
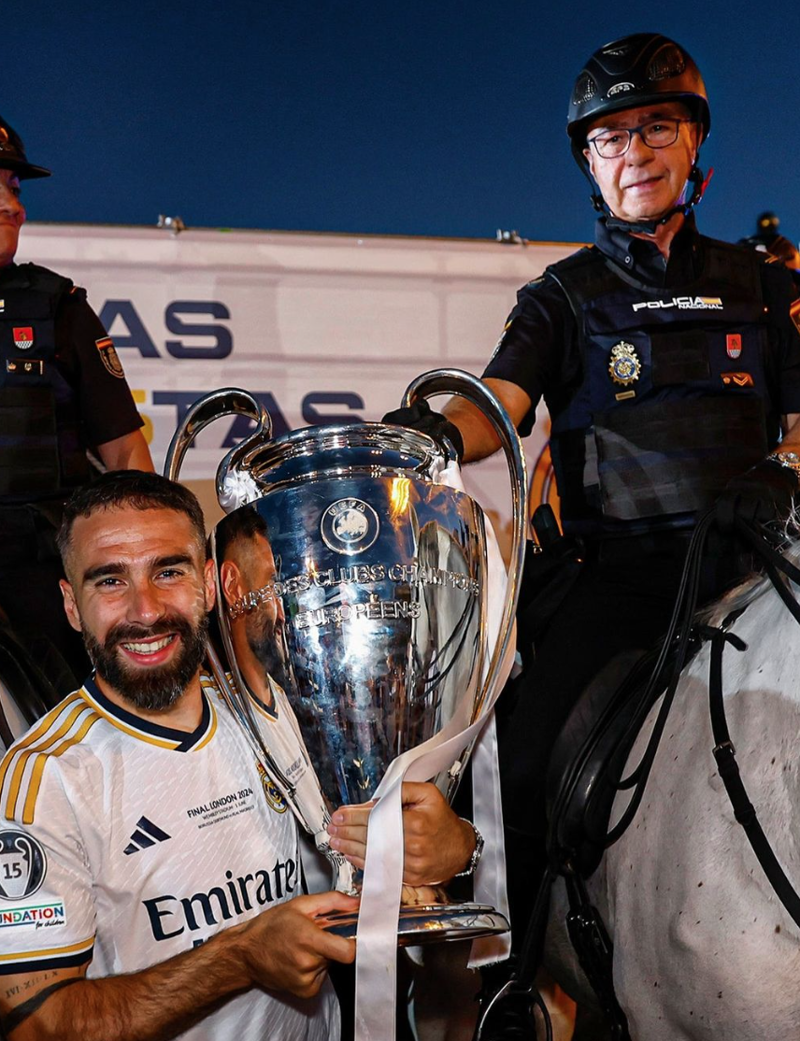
(725, 754)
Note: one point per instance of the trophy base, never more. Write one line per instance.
(430, 923)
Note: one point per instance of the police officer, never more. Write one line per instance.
(62, 391)
(670, 364)
(769, 239)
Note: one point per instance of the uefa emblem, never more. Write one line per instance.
(349, 526)
(23, 865)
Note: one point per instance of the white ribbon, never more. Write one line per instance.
(376, 950)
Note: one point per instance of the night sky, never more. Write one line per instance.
(412, 118)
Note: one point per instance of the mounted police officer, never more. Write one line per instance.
(670, 364)
(62, 392)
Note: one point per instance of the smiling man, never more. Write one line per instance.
(149, 881)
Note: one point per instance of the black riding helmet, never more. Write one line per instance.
(637, 70)
(12, 154)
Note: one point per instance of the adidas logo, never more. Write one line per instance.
(146, 834)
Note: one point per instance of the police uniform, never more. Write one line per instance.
(664, 379)
(62, 391)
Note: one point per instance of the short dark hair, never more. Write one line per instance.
(134, 488)
(244, 523)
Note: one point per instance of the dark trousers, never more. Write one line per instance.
(622, 599)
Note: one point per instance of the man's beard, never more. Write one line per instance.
(158, 688)
(266, 640)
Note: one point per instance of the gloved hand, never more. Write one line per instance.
(419, 416)
(763, 494)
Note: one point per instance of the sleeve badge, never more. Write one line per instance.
(110, 358)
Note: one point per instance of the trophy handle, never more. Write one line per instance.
(469, 387)
(227, 402)
(230, 401)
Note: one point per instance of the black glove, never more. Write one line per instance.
(420, 417)
(761, 495)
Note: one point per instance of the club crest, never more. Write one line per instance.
(271, 792)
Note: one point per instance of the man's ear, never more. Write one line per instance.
(231, 581)
(70, 605)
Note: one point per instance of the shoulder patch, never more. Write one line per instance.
(109, 357)
(499, 343)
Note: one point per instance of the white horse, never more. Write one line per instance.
(703, 948)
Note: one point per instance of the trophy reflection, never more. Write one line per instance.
(254, 632)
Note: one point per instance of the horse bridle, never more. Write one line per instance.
(724, 750)
(775, 566)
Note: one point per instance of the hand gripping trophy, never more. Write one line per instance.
(353, 610)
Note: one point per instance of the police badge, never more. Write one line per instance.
(624, 365)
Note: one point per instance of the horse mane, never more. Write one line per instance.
(750, 590)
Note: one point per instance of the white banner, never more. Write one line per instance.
(323, 328)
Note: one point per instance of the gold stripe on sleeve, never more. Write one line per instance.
(42, 746)
(35, 782)
(50, 952)
(38, 732)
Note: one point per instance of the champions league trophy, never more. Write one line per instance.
(352, 604)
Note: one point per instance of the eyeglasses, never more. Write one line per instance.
(658, 133)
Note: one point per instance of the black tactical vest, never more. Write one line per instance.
(42, 451)
(673, 397)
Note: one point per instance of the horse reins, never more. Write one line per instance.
(775, 566)
(724, 750)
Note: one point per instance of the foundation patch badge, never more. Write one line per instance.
(108, 353)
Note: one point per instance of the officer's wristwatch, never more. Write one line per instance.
(791, 460)
(476, 853)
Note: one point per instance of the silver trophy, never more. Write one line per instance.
(352, 607)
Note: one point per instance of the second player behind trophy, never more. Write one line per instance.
(354, 611)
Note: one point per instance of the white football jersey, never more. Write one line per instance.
(126, 842)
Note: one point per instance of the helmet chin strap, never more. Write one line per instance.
(650, 227)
